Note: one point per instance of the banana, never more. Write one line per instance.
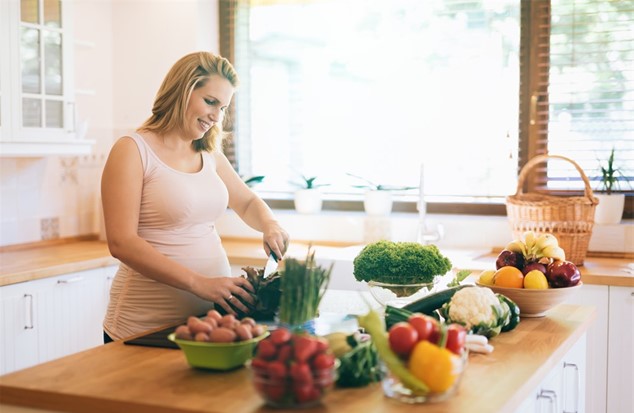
(516, 246)
(545, 240)
(554, 252)
(529, 239)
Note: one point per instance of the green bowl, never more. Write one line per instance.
(217, 356)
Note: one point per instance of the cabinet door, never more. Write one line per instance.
(620, 349)
(19, 326)
(69, 313)
(597, 346)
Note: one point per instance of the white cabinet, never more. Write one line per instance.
(562, 390)
(52, 317)
(37, 106)
(620, 350)
(597, 344)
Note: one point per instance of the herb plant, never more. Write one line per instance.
(609, 179)
(378, 187)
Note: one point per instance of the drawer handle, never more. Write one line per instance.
(575, 386)
(70, 280)
(28, 307)
(549, 395)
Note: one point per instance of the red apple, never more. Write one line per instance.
(562, 274)
(534, 265)
(509, 258)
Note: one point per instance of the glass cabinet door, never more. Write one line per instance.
(44, 103)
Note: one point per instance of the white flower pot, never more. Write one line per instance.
(378, 202)
(308, 201)
(610, 208)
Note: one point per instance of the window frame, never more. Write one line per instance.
(532, 123)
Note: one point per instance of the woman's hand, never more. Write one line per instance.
(275, 239)
(224, 291)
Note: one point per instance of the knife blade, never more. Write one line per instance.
(271, 265)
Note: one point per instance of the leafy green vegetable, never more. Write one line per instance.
(359, 366)
(460, 277)
(267, 294)
(399, 263)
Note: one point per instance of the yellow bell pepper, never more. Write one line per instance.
(435, 366)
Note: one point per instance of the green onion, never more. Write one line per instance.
(303, 285)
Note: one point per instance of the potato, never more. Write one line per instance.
(257, 330)
(244, 332)
(201, 336)
(211, 321)
(222, 335)
(214, 314)
(182, 332)
(198, 326)
(248, 320)
(227, 320)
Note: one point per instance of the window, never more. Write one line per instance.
(377, 89)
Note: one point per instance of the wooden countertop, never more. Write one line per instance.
(118, 378)
(26, 264)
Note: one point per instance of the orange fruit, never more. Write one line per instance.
(508, 276)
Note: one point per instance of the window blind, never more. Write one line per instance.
(579, 91)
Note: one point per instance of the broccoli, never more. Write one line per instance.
(400, 263)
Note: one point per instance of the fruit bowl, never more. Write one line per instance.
(399, 295)
(217, 356)
(535, 302)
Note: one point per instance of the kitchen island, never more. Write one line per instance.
(124, 378)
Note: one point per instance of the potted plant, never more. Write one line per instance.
(253, 180)
(611, 204)
(308, 198)
(378, 197)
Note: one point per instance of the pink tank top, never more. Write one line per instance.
(177, 216)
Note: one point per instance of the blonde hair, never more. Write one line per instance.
(189, 73)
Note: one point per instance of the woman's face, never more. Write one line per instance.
(207, 106)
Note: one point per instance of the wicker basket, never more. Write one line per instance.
(570, 219)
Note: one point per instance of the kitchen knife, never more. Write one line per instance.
(271, 265)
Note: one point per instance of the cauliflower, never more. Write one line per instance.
(479, 309)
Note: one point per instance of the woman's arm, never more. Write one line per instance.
(251, 208)
(121, 188)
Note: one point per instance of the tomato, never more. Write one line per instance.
(434, 336)
(275, 391)
(423, 324)
(284, 352)
(402, 338)
(280, 336)
(322, 344)
(260, 366)
(456, 338)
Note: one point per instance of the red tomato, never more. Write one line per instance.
(402, 337)
(322, 344)
(280, 336)
(259, 365)
(423, 324)
(456, 338)
(284, 352)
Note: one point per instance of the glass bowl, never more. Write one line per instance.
(399, 295)
(289, 392)
(395, 389)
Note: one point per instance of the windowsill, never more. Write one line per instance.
(460, 231)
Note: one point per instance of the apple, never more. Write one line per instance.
(509, 258)
(534, 265)
(562, 274)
